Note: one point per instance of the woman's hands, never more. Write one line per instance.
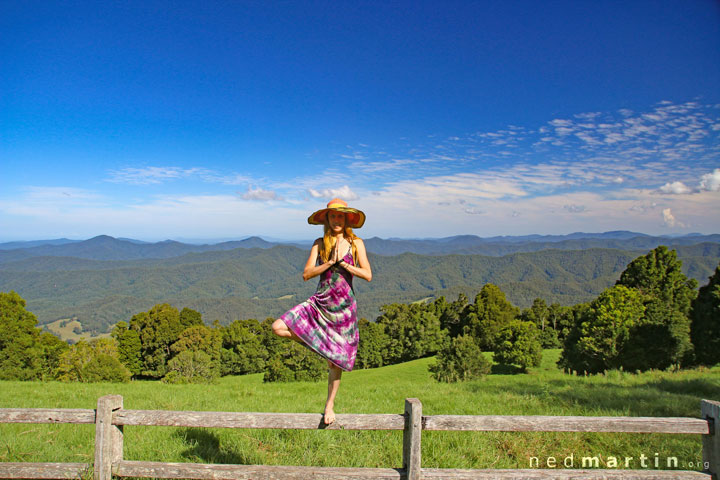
(334, 256)
(312, 267)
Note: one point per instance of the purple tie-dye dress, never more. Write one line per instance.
(327, 321)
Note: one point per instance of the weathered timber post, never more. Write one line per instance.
(710, 411)
(411, 439)
(108, 437)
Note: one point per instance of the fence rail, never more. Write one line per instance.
(110, 419)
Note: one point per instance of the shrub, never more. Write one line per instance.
(96, 361)
(459, 360)
(518, 343)
(191, 366)
(295, 364)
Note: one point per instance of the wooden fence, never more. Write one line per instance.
(110, 418)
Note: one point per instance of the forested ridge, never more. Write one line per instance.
(652, 318)
(242, 283)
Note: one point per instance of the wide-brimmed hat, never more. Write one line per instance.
(354, 218)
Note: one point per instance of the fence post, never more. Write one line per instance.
(710, 411)
(411, 439)
(108, 437)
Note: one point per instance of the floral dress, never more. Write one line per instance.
(327, 321)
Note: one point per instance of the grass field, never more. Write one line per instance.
(65, 329)
(543, 391)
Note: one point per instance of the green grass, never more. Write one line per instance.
(543, 391)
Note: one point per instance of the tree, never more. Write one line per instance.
(460, 360)
(95, 361)
(705, 326)
(191, 366)
(158, 329)
(540, 314)
(450, 314)
(414, 332)
(129, 347)
(25, 352)
(488, 315)
(373, 344)
(518, 343)
(196, 356)
(662, 338)
(190, 318)
(659, 274)
(598, 339)
(295, 364)
(562, 319)
(243, 351)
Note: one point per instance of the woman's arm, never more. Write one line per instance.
(362, 269)
(311, 268)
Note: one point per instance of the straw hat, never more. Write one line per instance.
(354, 218)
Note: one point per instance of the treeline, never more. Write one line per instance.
(254, 283)
(652, 318)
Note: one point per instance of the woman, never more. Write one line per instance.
(327, 321)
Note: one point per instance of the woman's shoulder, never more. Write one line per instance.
(318, 242)
(358, 241)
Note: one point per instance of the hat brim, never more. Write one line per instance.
(354, 218)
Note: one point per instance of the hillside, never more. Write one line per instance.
(242, 283)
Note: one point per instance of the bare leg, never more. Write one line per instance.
(280, 329)
(334, 374)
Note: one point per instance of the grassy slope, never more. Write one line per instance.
(544, 391)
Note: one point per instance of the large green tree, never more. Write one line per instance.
(414, 331)
(662, 337)
(157, 329)
(705, 326)
(598, 340)
(490, 313)
(243, 350)
(26, 353)
(129, 347)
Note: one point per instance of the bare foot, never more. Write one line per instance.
(329, 415)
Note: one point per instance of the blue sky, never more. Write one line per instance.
(201, 120)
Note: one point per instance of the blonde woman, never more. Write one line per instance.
(327, 321)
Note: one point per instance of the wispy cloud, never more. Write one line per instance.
(154, 175)
(655, 171)
(260, 195)
(586, 150)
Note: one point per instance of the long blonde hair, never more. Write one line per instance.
(328, 242)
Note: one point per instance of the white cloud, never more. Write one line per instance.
(343, 192)
(669, 219)
(675, 188)
(260, 195)
(710, 181)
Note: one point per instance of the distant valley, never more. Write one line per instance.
(104, 280)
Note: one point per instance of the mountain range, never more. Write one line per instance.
(104, 280)
(104, 247)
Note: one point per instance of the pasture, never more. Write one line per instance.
(543, 391)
